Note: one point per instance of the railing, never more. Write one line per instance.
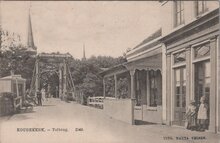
(95, 101)
(17, 102)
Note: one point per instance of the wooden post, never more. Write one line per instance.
(148, 87)
(132, 72)
(60, 82)
(64, 79)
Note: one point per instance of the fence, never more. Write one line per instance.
(95, 101)
(17, 103)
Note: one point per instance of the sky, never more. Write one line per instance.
(106, 28)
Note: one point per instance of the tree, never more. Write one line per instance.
(86, 76)
(15, 57)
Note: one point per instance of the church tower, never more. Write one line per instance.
(30, 38)
(84, 53)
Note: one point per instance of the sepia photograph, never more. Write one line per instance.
(110, 71)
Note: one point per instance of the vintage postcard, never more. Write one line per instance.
(109, 72)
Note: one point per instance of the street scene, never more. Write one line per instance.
(84, 124)
(109, 71)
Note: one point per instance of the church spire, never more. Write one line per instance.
(84, 53)
(30, 38)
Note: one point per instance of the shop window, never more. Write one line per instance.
(178, 13)
(155, 88)
(200, 7)
(202, 51)
(180, 87)
(179, 57)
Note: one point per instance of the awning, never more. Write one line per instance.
(148, 63)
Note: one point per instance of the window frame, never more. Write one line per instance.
(178, 13)
(182, 87)
(204, 7)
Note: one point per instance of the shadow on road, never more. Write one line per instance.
(140, 122)
(47, 105)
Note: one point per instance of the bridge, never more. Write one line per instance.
(53, 63)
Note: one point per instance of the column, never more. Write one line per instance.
(129, 86)
(148, 87)
(37, 75)
(132, 72)
(168, 88)
(213, 94)
(64, 79)
(218, 84)
(115, 78)
(103, 86)
(188, 76)
(164, 107)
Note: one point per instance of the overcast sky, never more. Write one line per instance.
(106, 27)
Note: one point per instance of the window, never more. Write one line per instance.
(200, 7)
(180, 87)
(178, 13)
(202, 80)
(155, 88)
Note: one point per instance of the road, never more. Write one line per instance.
(64, 122)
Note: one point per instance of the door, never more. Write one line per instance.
(179, 96)
(202, 83)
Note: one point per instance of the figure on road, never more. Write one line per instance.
(39, 98)
(43, 94)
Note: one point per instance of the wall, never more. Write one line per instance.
(5, 85)
(167, 14)
(119, 109)
(151, 115)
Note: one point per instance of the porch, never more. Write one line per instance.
(135, 89)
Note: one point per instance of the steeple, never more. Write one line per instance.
(30, 38)
(84, 53)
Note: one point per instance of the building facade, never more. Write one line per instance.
(190, 36)
(143, 70)
(174, 66)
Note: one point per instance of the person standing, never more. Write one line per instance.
(39, 98)
(202, 114)
(191, 115)
(43, 95)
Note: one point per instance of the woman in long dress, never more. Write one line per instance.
(43, 94)
(202, 114)
(191, 115)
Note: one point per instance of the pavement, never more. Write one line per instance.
(61, 122)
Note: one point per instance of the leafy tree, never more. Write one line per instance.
(123, 88)
(86, 76)
(15, 57)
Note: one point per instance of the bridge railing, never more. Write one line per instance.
(17, 102)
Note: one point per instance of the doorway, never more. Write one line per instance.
(179, 96)
(202, 83)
